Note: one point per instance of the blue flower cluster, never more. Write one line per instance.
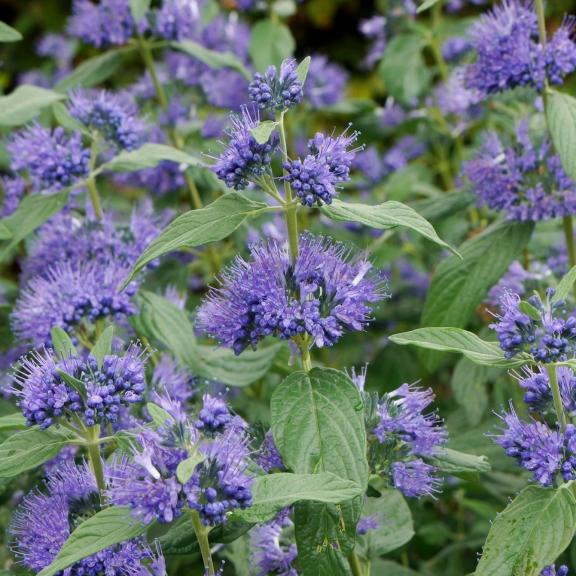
(322, 294)
(549, 338)
(214, 415)
(407, 436)
(538, 394)
(44, 395)
(314, 179)
(273, 548)
(113, 116)
(54, 159)
(525, 181)
(509, 52)
(44, 521)
(13, 191)
(244, 160)
(277, 91)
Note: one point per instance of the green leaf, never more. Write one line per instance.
(196, 227)
(5, 232)
(186, 468)
(380, 567)
(453, 462)
(31, 213)
(148, 156)
(443, 206)
(565, 285)
(395, 526)
(273, 492)
(25, 103)
(212, 58)
(271, 42)
(448, 339)
(426, 5)
(302, 70)
(103, 346)
(469, 387)
(284, 8)
(533, 530)
(223, 365)
(383, 217)
(403, 70)
(158, 414)
(74, 382)
(263, 131)
(106, 528)
(460, 285)
(65, 119)
(139, 8)
(12, 422)
(561, 118)
(93, 71)
(318, 424)
(30, 448)
(8, 34)
(529, 310)
(62, 344)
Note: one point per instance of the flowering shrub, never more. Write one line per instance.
(219, 250)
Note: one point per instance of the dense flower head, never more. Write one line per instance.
(221, 482)
(273, 547)
(44, 520)
(178, 19)
(13, 188)
(509, 53)
(277, 91)
(454, 97)
(375, 30)
(66, 296)
(224, 88)
(44, 395)
(325, 83)
(454, 48)
(414, 478)
(538, 394)
(322, 294)
(113, 116)
(172, 380)
(228, 34)
(550, 338)
(315, 178)
(54, 159)
(525, 180)
(107, 23)
(214, 415)
(268, 457)
(244, 160)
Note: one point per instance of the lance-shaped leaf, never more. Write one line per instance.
(561, 118)
(8, 34)
(25, 103)
(94, 70)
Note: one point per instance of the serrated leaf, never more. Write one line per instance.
(395, 526)
(454, 462)
(448, 339)
(139, 8)
(533, 530)
(263, 131)
(30, 448)
(271, 42)
(106, 528)
(103, 346)
(148, 156)
(212, 58)
(273, 492)
(62, 343)
(186, 468)
(561, 118)
(303, 68)
(25, 103)
(9, 34)
(460, 285)
(384, 217)
(565, 285)
(93, 71)
(158, 414)
(31, 213)
(197, 227)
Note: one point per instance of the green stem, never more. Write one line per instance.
(569, 235)
(355, 566)
(291, 219)
(93, 445)
(541, 13)
(305, 352)
(163, 101)
(202, 537)
(91, 182)
(558, 405)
